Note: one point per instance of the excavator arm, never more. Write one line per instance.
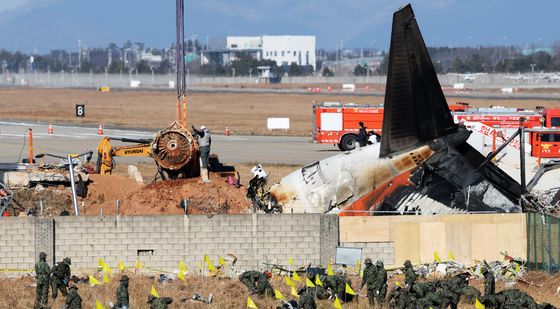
(106, 153)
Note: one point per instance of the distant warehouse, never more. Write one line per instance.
(284, 49)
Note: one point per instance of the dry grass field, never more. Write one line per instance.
(228, 293)
(243, 113)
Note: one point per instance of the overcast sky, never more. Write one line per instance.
(49, 24)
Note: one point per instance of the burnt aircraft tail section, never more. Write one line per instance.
(416, 111)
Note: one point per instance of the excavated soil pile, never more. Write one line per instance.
(105, 190)
(163, 198)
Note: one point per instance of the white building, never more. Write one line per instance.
(284, 49)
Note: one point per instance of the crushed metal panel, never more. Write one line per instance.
(413, 94)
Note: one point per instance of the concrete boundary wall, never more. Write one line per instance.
(160, 242)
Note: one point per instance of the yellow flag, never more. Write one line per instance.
(200, 266)
(330, 271)
(121, 265)
(93, 281)
(291, 261)
(207, 259)
(278, 295)
(318, 281)
(250, 303)
(349, 290)
(436, 257)
(309, 283)
(154, 292)
(294, 292)
(106, 278)
(451, 256)
(138, 264)
(479, 305)
(517, 270)
(288, 281)
(107, 269)
(211, 266)
(337, 304)
(361, 274)
(397, 283)
(358, 265)
(99, 305)
(101, 263)
(221, 261)
(182, 267)
(181, 275)
(296, 277)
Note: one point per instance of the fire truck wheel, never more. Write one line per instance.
(349, 142)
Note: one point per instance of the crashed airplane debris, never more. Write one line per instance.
(423, 164)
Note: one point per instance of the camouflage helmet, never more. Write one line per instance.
(367, 261)
(407, 263)
(379, 263)
(67, 260)
(151, 298)
(124, 278)
(42, 256)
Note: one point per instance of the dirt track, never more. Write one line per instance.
(241, 112)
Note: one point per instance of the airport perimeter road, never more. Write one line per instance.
(230, 149)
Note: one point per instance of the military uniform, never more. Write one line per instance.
(42, 271)
(337, 283)
(257, 282)
(73, 300)
(368, 279)
(380, 284)
(61, 277)
(159, 303)
(306, 300)
(318, 291)
(122, 294)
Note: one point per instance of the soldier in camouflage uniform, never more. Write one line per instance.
(122, 294)
(43, 272)
(73, 300)
(257, 282)
(369, 279)
(489, 297)
(306, 299)
(318, 291)
(61, 277)
(380, 284)
(337, 284)
(409, 275)
(159, 303)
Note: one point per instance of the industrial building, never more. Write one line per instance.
(284, 49)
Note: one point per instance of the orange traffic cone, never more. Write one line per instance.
(50, 131)
(100, 130)
(226, 131)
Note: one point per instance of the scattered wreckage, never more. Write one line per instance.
(424, 163)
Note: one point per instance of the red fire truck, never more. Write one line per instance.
(336, 123)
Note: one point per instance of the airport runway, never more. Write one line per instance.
(231, 149)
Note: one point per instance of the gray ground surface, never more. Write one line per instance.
(231, 149)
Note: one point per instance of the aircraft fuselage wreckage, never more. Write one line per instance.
(423, 164)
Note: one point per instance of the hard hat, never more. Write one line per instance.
(67, 260)
(367, 261)
(407, 263)
(203, 127)
(42, 255)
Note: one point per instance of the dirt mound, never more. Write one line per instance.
(105, 190)
(204, 198)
